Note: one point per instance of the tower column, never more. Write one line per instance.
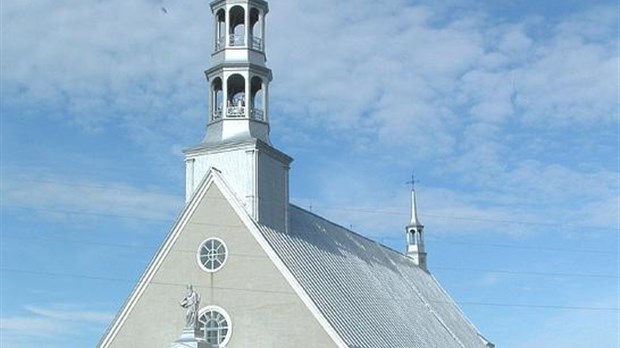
(246, 29)
(248, 95)
(261, 16)
(265, 99)
(226, 27)
(225, 95)
(212, 102)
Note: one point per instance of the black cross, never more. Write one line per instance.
(413, 181)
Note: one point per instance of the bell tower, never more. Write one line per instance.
(415, 234)
(237, 134)
(238, 78)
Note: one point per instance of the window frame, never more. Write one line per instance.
(199, 254)
(228, 327)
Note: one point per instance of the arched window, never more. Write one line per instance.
(256, 30)
(257, 100)
(237, 26)
(236, 96)
(412, 237)
(214, 326)
(217, 97)
(220, 30)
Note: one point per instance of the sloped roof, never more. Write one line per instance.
(373, 296)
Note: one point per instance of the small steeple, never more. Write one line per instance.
(415, 232)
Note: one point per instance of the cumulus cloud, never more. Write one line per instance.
(458, 91)
(98, 64)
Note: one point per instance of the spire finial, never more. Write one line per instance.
(413, 181)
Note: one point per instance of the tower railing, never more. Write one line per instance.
(220, 43)
(217, 114)
(257, 43)
(235, 111)
(236, 40)
(257, 114)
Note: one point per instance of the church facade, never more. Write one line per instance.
(242, 267)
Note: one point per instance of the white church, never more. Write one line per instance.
(242, 267)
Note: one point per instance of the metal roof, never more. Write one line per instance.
(373, 296)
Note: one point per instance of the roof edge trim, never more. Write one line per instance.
(277, 261)
(157, 260)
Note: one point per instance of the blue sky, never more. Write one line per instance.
(507, 111)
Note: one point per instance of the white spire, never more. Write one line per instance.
(415, 232)
(415, 221)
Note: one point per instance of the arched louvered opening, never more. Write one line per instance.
(217, 99)
(411, 238)
(420, 240)
(236, 96)
(258, 99)
(220, 29)
(236, 26)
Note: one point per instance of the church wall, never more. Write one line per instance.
(264, 309)
(236, 165)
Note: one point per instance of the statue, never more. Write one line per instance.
(191, 302)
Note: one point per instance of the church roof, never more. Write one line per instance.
(373, 296)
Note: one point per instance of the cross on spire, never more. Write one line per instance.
(413, 181)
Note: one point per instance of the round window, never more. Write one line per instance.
(214, 326)
(212, 254)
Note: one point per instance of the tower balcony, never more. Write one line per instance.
(235, 111)
(238, 112)
(236, 40)
(256, 43)
(257, 114)
(217, 114)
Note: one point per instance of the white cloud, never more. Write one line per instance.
(58, 198)
(485, 105)
(47, 324)
(382, 72)
(24, 325)
(577, 328)
(64, 313)
(101, 64)
(517, 202)
(403, 84)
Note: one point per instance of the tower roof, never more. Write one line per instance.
(415, 221)
(261, 3)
